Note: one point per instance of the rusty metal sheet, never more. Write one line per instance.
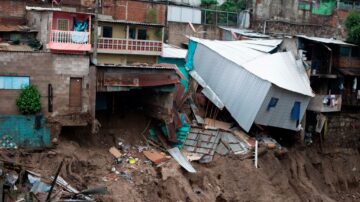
(139, 80)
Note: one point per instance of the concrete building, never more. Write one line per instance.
(59, 68)
(317, 18)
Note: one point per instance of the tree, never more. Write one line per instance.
(352, 24)
(208, 3)
(233, 5)
(28, 101)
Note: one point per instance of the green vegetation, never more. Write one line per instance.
(352, 24)
(29, 100)
(233, 5)
(151, 16)
(208, 3)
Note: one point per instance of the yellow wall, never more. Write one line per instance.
(119, 30)
(111, 59)
(117, 59)
(141, 59)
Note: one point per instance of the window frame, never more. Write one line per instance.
(57, 24)
(23, 84)
(103, 31)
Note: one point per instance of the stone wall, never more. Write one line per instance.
(288, 18)
(43, 69)
(343, 130)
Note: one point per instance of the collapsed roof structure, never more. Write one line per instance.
(254, 85)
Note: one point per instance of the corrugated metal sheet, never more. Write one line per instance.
(245, 32)
(279, 116)
(129, 22)
(19, 130)
(325, 40)
(282, 70)
(184, 14)
(234, 85)
(14, 28)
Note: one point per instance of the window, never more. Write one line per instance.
(295, 111)
(344, 51)
(63, 24)
(107, 31)
(13, 82)
(132, 33)
(355, 52)
(141, 35)
(304, 5)
(272, 103)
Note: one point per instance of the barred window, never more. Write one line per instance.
(63, 24)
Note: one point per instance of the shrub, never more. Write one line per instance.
(352, 24)
(28, 101)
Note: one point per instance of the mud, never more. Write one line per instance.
(301, 174)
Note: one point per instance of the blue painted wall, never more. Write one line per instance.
(19, 131)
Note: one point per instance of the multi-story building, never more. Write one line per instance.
(54, 58)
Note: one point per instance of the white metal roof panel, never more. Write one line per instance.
(170, 51)
(282, 70)
(326, 40)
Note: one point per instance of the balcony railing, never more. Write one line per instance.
(325, 103)
(69, 40)
(129, 46)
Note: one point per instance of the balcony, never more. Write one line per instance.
(325, 103)
(129, 46)
(69, 41)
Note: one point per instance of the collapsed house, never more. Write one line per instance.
(252, 84)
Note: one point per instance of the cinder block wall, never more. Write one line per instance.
(43, 69)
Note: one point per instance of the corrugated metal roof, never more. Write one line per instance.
(144, 66)
(241, 78)
(14, 28)
(325, 40)
(170, 51)
(280, 69)
(240, 91)
(245, 32)
(106, 18)
(231, 50)
(266, 46)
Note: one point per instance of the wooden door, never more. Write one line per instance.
(75, 92)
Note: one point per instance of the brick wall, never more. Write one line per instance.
(135, 10)
(176, 32)
(44, 69)
(12, 12)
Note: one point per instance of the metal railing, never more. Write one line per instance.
(130, 45)
(217, 17)
(69, 37)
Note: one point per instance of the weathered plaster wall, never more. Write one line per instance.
(176, 32)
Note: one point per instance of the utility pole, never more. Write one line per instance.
(96, 25)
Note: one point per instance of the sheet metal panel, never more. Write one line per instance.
(184, 14)
(280, 115)
(241, 92)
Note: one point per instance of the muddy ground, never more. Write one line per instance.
(301, 174)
